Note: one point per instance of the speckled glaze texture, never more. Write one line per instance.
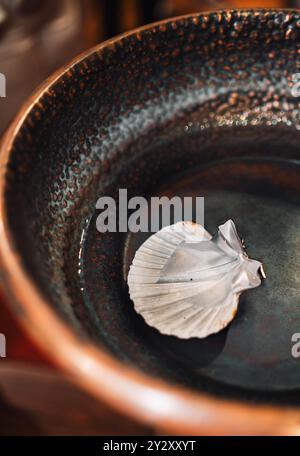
(134, 114)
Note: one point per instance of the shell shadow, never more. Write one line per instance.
(194, 353)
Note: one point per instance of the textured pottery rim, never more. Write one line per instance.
(145, 398)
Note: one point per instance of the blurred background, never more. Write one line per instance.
(37, 37)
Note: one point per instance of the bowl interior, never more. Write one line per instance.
(203, 105)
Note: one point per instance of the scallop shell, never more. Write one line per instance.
(186, 283)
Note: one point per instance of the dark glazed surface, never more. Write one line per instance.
(182, 97)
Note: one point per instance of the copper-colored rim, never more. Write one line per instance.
(143, 397)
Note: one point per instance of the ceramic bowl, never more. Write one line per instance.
(204, 105)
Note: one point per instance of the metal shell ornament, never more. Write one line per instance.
(186, 283)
